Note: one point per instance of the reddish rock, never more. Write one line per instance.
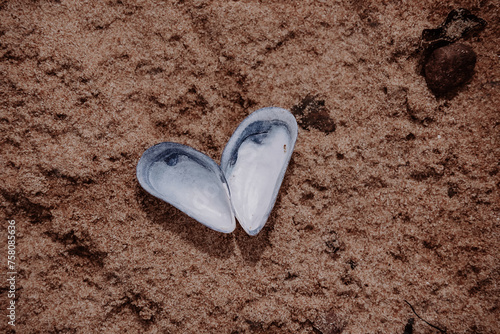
(449, 67)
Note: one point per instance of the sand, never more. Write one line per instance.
(391, 196)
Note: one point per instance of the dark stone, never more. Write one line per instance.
(449, 67)
(452, 190)
(312, 113)
(459, 23)
(410, 136)
(409, 326)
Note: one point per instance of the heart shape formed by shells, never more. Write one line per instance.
(246, 183)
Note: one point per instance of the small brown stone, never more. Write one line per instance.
(312, 113)
(449, 67)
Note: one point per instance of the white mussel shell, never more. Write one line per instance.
(254, 163)
(190, 181)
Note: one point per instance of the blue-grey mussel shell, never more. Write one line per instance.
(246, 184)
(190, 181)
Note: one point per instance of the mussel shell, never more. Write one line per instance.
(254, 163)
(190, 181)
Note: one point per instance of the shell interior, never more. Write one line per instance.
(190, 181)
(255, 161)
(253, 165)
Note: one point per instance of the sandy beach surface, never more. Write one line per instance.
(391, 199)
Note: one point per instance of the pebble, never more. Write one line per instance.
(449, 67)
